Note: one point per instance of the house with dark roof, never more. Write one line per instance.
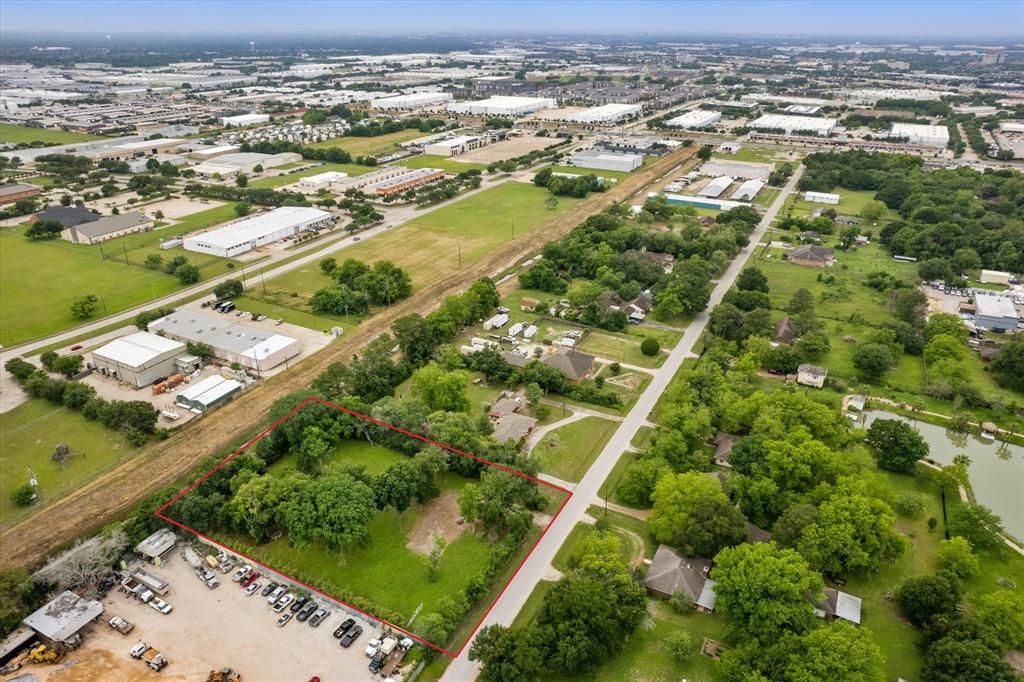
(814, 255)
(724, 443)
(513, 427)
(110, 227)
(516, 360)
(570, 362)
(68, 216)
(784, 332)
(671, 573)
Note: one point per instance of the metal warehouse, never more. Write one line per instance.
(700, 118)
(138, 359)
(607, 113)
(795, 124)
(716, 187)
(591, 158)
(244, 120)
(254, 231)
(930, 136)
(995, 312)
(207, 393)
(459, 144)
(747, 191)
(502, 106)
(413, 100)
(231, 342)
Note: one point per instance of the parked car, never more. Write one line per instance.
(344, 627)
(161, 606)
(319, 617)
(299, 603)
(268, 589)
(283, 620)
(240, 573)
(249, 578)
(252, 589)
(306, 612)
(283, 602)
(351, 635)
(377, 662)
(276, 594)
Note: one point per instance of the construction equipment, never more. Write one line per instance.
(44, 654)
(224, 675)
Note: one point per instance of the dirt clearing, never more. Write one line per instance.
(440, 516)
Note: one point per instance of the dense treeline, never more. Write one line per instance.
(561, 186)
(261, 196)
(944, 214)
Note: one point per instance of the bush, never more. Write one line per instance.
(650, 346)
(23, 495)
(909, 505)
(680, 644)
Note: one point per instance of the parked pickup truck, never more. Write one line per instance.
(121, 625)
(153, 658)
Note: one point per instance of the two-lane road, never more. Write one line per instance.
(536, 566)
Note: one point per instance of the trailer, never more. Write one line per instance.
(152, 581)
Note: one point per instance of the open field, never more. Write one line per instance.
(370, 146)
(447, 163)
(507, 149)
(568, 451)
(624, 347)
(290, 178)
(31, 431)
(851, 202)
(618, 176)
(15, 134)
(349, 452)
(168, 462)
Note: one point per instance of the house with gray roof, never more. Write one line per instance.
(671, 573)
(109, 227)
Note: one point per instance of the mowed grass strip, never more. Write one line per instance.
(31, 432)
(363, 146)
(430, 246)
(15, 134)
(568, 451)
(452, 165)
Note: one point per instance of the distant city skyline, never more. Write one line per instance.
(991, 19)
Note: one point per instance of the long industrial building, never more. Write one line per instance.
(607, 113)
(407, 181)
(244, 120)
(699, 118)
(795, 124)
(929, 136)
(747, 191)
(502, 106)
(459, 144)
(138, 359)
(414, 100)
(254, 231)
(715, 188)
(249, 346)
(592, 158)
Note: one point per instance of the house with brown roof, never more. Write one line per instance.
(784, 332)
(814, 255)
(671, 573)
(570, 362)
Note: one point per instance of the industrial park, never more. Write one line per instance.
(415, 344)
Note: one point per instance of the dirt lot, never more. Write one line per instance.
(117, 491)
(179, 207)
(439, 516)
(213, 629)
(509, 149)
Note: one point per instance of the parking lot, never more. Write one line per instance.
(215, 628)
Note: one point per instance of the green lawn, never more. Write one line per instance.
(15, 134)
(289, 178)
(358, 453)
(624, 347)
(372, 146)
(568, 451)
(851, 202)
(31, 431)
(255, 301)
(447, 163)
(618, 176)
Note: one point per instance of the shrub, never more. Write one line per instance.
(23, 495)
(909, 505)
(680, 644)
(650, 346)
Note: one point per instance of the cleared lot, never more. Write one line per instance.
(212, 629)
(507, 149)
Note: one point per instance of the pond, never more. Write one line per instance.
(996, 470)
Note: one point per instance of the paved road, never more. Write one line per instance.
(11, 395)
(537, 565)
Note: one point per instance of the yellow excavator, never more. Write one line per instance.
(223, 675)
(44, 654)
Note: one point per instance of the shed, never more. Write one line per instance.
(216, 395)
(530, 331)
(839, 604)
(811, 375)
(60, 621)
(157, 545)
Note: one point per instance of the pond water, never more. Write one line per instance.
(996, 470)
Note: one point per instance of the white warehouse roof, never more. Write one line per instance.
(262, 224)
(698, 118)
(995, 306)
(716, 187)
(606, 113)
(195, 390)
(266, 348)
(821, 126)
(137, 349)
(748, 190)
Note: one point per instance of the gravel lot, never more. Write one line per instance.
(213, 629)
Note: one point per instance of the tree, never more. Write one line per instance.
(873, 210)
(839, 651)
(1008, 367)
(402, 483)
(801, 301)
(925, 598)
(766, 590)
(872, 360)
(44, 229)
(852, 532)
(19, 369)
(896, 445)
(977, 524)
(201, 350)
(680, 645)
(84, 306)
(68, 365)
(935, 269)
(229, 288)
(315, 447)
(441, 390)
(335, 508)
(955, 556)
(23, 495)
(705, 152)
(650, 346)
(242, 209)
(752, 279)
(507, 654)
(848, 237)
(790, 526)
(953, 660)
(438, 545)
(1002, 615)
(692, 513)
(242, 180)
(154, 261)
(187, 273)
(328, 265)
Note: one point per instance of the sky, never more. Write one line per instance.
(911, 19)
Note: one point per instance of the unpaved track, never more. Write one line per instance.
(106, 497)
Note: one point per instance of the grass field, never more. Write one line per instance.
(851, 202)
(374, 458)
(431, 243)
(289, 178)
(15, 134)
(619, 176)
(443, 162)
(31, 431)
(625, 347)
(568, 451)
(370, 146)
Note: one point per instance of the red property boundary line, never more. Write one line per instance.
(160, 514)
